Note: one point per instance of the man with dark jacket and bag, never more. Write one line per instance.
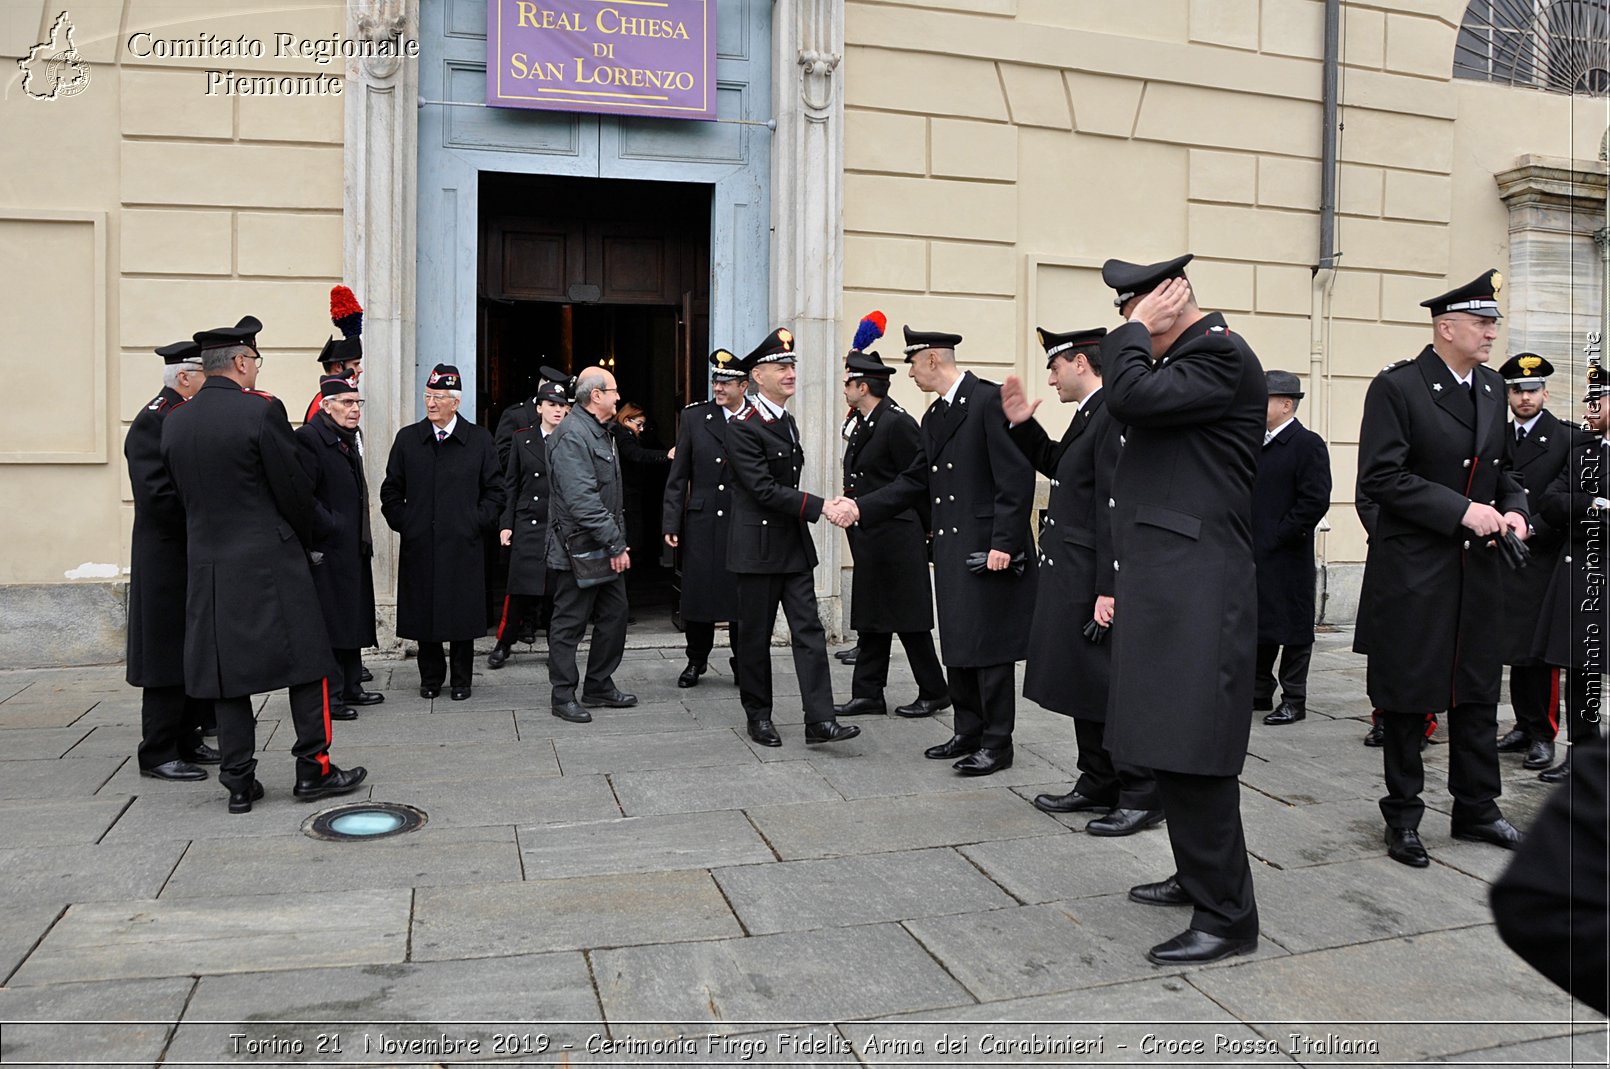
(443, 493)
(343, 541)
(524, 527)
(171, 722)
(1434, 458)
(587, 551)
(1070, 673)
(891, 593)
(1289, 498)
(982, 490)
(697, 514)
(252, 618)
(769, 549)
(1192, 397)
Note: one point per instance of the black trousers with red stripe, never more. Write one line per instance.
(237, 735)
(517, 609)
(1534, 691)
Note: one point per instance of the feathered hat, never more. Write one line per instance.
(347, 315)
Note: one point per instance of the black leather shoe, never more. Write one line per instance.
(985, 762)
(1403, 845)
(1125, 822)
(923, 707)
(528, 635)
(765, 733)
(861, 707)
(1515, 741)
(459, 694)
(498, 657)
(203, 754)
(690, 675)
(174, 770)
(1163, 893)
(572, 711)
(1192, 947)
(364, 697)
(830, 731)
(1072, 802)
(335, 781)
(341, 712)
(1559, 773)
(1499, 832)
(615, 699)
(1376, 736)
(1263, 705)
(847, 656)
(365, 676)
(431, 692)
(1539, 755)
(1287, 713)
(241, 801)
(958, 746)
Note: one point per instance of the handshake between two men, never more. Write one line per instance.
(843, 512)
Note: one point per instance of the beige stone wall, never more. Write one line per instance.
(997, 151)
(132, 214)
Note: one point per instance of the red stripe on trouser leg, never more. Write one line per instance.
(324, 756)
(504, 621)
(1554, 701)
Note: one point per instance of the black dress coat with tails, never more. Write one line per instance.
(698, 510)
(891, 591)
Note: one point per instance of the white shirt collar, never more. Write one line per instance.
(1269, 436)
(728, 413)
(452, 423)
(950, 394)
(1529, 424)
(776, 411)
(1467, 379)
(1080, 407)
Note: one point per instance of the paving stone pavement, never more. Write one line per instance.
(653, 888)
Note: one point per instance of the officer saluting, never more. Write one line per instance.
(890, 592)
(252, 618)
(1433, 455)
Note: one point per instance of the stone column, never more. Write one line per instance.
(379, 214)
(808, 243)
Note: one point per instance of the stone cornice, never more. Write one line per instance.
(1553, 182)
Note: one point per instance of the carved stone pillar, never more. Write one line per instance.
(808, 242)
(382, 131)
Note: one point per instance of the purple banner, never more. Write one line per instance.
(626, 57)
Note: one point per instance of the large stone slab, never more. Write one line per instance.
(505, 800)
(68, 821)
(873, 825)
(201, 811)
(908, 772)
(106, 740)
(1585, 1047)
(39, 743)
(289, 864)
(1322, 988)
(57, 779)
(187, 937)
(640, 844)
(496, 920)
(631, 752)
(1060, 867)
(61, 874)
(831, 974)
(651, 792)
(18, 714)
(649, 718)
(1321, 834)
(800, 895)
(489, 728)
(114, 1023)
(1307, 782)
(22, 925)
(482, 1001)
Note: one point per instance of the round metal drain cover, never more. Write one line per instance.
(364, 820)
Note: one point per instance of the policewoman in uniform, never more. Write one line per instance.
(252, 618)
(171, 745)
(697, 513)
(524, 525)
(890, 589)
(769, 549)
(1069, 658)
(1191, 395)
(1434, 457)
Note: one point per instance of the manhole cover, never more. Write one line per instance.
(363, 820)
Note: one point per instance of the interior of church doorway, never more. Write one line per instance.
(578, 272)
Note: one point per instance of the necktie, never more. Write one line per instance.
(941, 406)
(441, 435)
(1520, 435)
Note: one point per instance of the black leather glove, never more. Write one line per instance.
(1096, 633)
(978, 563)
(1513, 550)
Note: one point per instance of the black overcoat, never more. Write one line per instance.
(252, 618)
(1574, 619)
(517, 417)
(1185, 626)
(526, 489)
(1068, 673)
(698, 510)
(890, 590)
(770, 533)
(1432, 599)
(1535, 462)
(155, 654)
(980, 490)
(444, 499)
(1289, 497)
(345, 577)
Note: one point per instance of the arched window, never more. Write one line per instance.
(1562, 46)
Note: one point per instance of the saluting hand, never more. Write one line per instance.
(1158, 310)
(1015, 403)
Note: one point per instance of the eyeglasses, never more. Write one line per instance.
(439, 398)
(256, 358)
(638, 421)
(347, 402)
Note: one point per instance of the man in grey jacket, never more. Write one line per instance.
(586, 513)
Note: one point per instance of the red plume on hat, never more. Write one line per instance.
(873, 324)
(345, 312)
